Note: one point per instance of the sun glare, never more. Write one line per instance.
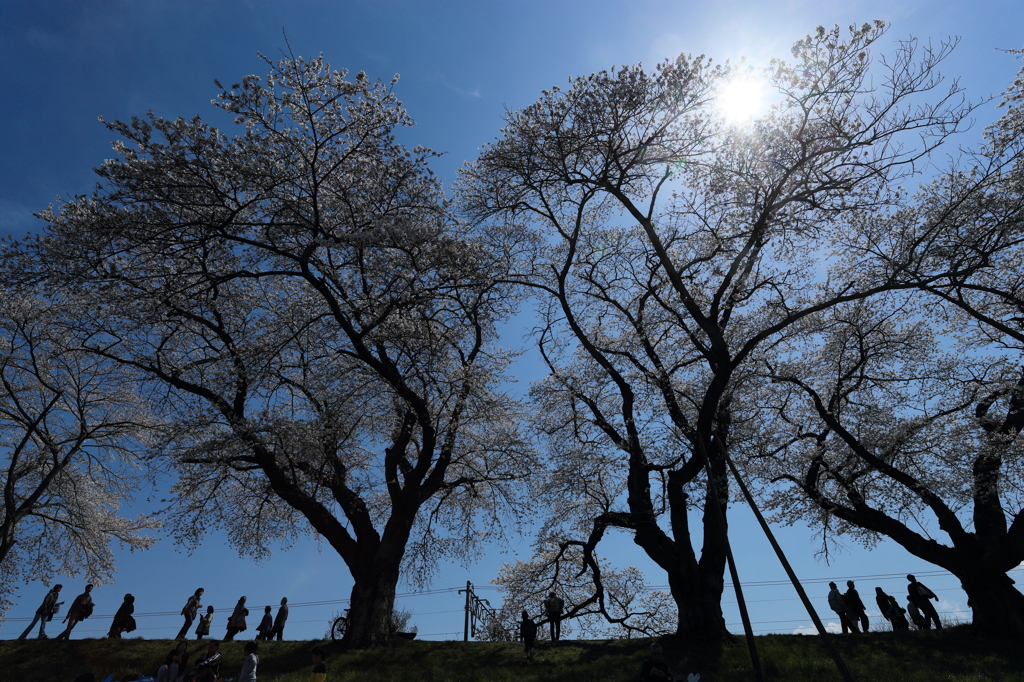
(741, 99)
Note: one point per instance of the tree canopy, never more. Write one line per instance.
(316, 325)
(72, 430)
(675, 251)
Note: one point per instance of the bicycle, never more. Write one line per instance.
(339, 627)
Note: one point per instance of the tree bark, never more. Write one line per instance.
(372, 602)
(997, 605)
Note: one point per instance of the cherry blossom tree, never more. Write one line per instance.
(903, 418)
(601, 601)
(71, 430)
(317, 325)
(674, 249)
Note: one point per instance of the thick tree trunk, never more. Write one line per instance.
(696, 587)
(998, 606)
(371, 605)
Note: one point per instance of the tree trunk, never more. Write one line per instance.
(371, 605)
(998, 606)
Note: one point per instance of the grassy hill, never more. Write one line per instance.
(953, 655)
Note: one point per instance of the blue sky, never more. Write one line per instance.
(461, 64)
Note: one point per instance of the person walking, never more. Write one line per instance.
(855, 607)
(528, 633)
(203, 629)
(897, 616)
(81, 608)
(553, 608)
(921, 596)
(279, 621)
(190, 610)
(44, 613)
(265, 627)
(123, 620)
(236, 623)
(838, 604)
(882, 600)
(915, 615)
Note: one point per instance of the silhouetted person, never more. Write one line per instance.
(190, 610)
(882, 600)
(915, 615)
(81, 608)
(203, 629)
(123, 620)
(921, 596)
(236, 623)
(528, 633)
(266, 626)
(897, 616)
(44, 614)
(280, 620)
(553, 608)
(655, 668)
(855, 607)
(838, 604)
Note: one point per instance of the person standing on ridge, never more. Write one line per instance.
(279, 621)
(553, 607)
(265, 627)
(44, 613)
(838, 604)
(921, 596)
(528, 633)
(190, 610)
(855, 607)
(205, 622)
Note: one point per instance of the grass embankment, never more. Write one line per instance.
(952, 655)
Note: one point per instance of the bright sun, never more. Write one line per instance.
(741, 99)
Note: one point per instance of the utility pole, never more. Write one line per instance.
(469, 603)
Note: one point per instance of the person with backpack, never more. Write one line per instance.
(553, 608)
(44, 614)
(81, 608)
(190, 610)
(921, 596)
